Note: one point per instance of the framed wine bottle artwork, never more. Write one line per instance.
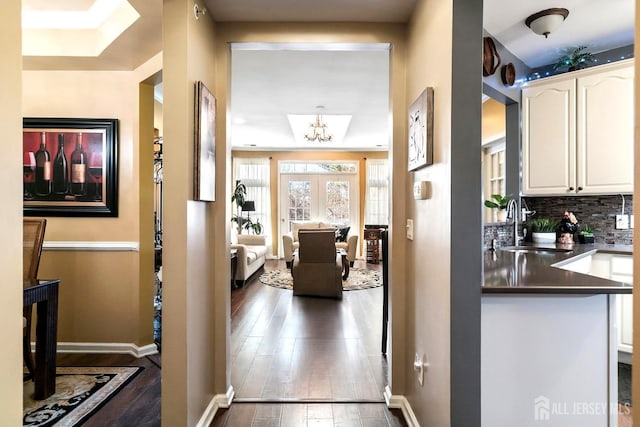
(70, 167)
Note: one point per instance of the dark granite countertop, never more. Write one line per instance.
(523, 272)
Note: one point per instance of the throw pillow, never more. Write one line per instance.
(341, 233)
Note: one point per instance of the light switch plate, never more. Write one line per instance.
(410, 229)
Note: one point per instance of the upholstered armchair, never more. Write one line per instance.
(317, 268)
(290, 240)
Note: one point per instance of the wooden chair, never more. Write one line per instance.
(32, 238)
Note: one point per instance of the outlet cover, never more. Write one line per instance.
(622, 222)
(418, 365)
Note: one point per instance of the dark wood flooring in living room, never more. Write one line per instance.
(295, 362)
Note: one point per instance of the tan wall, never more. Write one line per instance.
(100, 303)
(277, 156)
(11, 215)
(493, 120)
(195, 269)
(337, 33)
(428, 255)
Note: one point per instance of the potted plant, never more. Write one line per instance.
(543, 230)
(499, 202)
(576, 60)
(585, 235)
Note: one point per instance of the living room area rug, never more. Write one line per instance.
(359, 278)
(80, 391)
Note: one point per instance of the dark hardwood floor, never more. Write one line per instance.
(138, 403)
(295, 362)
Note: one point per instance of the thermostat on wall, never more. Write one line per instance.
(421, 190)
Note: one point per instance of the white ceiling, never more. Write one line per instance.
(138, 43)
(598, 24)
(268, 85)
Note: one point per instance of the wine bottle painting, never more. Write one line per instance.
(69, 170)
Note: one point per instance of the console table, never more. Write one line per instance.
(44, 293)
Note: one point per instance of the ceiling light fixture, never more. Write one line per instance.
(546, 21)
(318, 131)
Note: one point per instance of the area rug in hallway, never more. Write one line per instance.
(358, 279)
(80, 391)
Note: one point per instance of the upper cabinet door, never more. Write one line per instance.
(549, 138)
(605, 131)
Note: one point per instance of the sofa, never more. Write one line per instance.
(317, 268)
(290, 240)
(252, 254)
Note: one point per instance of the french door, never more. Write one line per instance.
(331, 198)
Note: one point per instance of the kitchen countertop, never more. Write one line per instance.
(508, 272)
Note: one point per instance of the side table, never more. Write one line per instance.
(233, 255)
(372, 238)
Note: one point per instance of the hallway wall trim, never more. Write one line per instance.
(91, 246)
(219, 401)
(401, 402)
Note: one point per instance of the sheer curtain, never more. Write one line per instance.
(254, 174)
(376, 208)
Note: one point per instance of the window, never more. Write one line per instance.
(254, 174)
(376, 209)
(493, 164)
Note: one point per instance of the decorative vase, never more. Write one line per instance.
(502, 215)
(543, 237)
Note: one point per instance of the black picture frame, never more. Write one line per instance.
(91, 181)
(204, 171)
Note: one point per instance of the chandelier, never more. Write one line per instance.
(318, 131)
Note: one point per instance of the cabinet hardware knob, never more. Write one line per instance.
(579, 188)
(570, 188)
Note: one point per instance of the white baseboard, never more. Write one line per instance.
(219, 401)
(104, 347)
(401, 402)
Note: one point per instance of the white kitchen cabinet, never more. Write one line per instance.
(578, 132)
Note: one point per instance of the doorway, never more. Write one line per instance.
(325, 197)
(298, 348)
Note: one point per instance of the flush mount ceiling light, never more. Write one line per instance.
(546, 21)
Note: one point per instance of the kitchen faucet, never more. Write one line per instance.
(512, 213)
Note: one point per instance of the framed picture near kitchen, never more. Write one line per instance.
(70, 167)
(204, 177)
(420, 149)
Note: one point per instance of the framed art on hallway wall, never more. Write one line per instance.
(204, 176)
(420, 130)
(70, 167)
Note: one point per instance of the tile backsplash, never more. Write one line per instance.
(599, 212)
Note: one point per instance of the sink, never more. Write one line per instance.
(534, 250)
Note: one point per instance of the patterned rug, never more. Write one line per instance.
(358, 279)
(80, 391)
